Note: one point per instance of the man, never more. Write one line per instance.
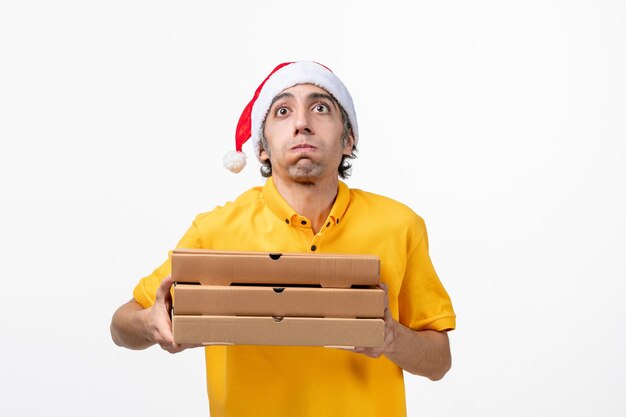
(304, 129)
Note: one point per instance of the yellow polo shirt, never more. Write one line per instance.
(315, 381)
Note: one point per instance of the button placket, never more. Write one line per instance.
(300, 221)
(315, 243)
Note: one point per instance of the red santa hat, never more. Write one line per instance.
(284, 76)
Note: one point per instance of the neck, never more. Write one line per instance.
(312, 200)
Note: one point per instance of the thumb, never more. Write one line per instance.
(163, 291)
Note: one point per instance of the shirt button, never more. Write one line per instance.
(313, 248)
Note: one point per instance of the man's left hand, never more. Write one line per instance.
(390, 323)
(423, 352)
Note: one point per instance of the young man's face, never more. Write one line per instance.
(303, 129)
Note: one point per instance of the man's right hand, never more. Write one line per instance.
(156, 319)
(134, 327)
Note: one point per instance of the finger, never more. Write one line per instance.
(385, 288)
(191, 345)
(165, 342)
(164, 289)
(176, 348)
(370, 352)
(387, 317)
(171, 348)
(165, 329)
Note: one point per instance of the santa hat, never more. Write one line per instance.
(284, 76)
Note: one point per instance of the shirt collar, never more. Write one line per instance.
(277, 204)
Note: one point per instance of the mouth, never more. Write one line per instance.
(303, 147)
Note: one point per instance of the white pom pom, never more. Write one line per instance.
(234, 161)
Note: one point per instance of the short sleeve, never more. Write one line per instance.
(145, 291)
(423, 302)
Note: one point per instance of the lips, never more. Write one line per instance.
(302, 146)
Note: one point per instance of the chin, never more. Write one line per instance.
(309, 174)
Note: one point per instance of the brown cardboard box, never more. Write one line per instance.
(221, 311)
(278, 301)
(288, 331)
(209, 267)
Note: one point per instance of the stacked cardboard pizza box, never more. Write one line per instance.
(291, 299)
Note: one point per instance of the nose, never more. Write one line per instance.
(302, 123)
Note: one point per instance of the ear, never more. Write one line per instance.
(347, 150)
(263, 155)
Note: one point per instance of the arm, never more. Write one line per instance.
(425, 353)
(134, 327)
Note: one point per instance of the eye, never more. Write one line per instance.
(281, 111)
(321, 108)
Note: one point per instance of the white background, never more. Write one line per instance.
(501, 123)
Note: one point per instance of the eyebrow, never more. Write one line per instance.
(312, 96)
(280, 97)
(328, 97)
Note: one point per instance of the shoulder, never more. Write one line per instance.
(386, 219)
(246, 203)
(385, 215)
(380, 205)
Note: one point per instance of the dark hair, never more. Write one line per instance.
(345, 167)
